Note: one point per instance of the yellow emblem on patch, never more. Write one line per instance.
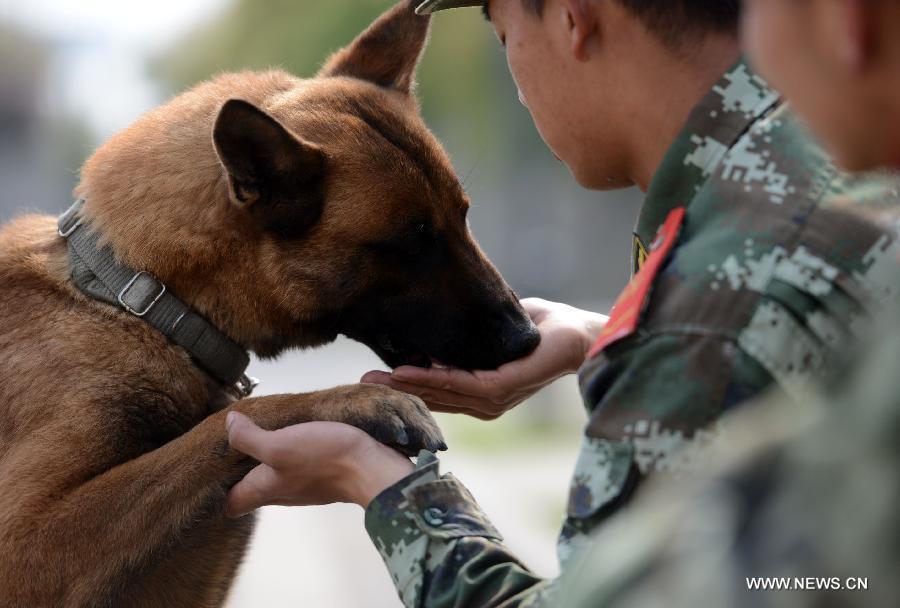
(638, 254)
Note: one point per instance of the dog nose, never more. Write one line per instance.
(521, 340)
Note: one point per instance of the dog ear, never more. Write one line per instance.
(273, 173)
(388, 52)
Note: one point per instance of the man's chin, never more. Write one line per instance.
(593, 180)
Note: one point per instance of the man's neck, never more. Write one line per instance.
(670, 92)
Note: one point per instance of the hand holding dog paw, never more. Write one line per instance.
(396, 419)
(566, 335)
(314, 463)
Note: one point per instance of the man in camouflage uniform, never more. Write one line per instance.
(765, 264)
(806, 491)
(759, 289)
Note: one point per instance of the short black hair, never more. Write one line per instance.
(674, 21)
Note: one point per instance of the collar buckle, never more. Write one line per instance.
(141, 294)
(70, 221)
(246, 385)
(144, 296)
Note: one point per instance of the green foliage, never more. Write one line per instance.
(462, 77)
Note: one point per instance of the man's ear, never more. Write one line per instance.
(581, 24)
(388, 52)
(853, 24)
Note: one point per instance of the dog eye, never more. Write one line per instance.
(420, 239)
(409, 242)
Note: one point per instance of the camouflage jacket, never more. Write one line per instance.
(804, 498)
(773, 268)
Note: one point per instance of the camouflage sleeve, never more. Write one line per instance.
(658, 398)
(655, 406)
(780, 500)
(778, 320)
(440, 548)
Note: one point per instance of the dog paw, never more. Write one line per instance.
(396, 419)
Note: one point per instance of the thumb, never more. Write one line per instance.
(375, 377)
(534, 307)
(252, 492)
(244, 436)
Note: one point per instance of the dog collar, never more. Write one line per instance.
(97, 273)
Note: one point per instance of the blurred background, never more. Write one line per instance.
(72, 73)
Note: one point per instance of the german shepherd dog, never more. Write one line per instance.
(285, 211)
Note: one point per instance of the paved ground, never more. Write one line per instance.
(322, 557)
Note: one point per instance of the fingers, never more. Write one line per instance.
(428, 383)
(441, 378)
(452, 409)
(427, 394)
(534, 306)
(376, 377)
(441, 400)
(247, 438)
(497, 386)
(252, 492)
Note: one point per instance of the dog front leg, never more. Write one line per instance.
(89, 546)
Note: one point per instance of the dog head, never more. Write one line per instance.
(318, 207)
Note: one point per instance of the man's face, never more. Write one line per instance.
(531, 56)
(541, 60)
(801, 48)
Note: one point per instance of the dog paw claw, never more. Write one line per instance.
(396, 419)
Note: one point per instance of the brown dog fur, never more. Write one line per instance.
(317, 207)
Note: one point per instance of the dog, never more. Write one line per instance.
(279, 213)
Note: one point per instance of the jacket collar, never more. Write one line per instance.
(732, 106)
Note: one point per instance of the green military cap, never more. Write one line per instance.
(432, 6)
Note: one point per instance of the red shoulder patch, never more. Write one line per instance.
(626, 314)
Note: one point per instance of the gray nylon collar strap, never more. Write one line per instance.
(97, 273)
